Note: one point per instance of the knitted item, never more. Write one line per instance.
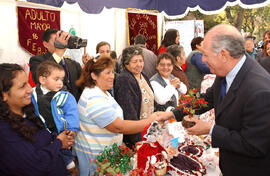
(150, 147)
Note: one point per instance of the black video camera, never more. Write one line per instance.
(74, 42)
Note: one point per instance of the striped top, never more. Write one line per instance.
(97, 110)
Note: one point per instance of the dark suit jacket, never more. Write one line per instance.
(242, 130)
(128, 95)
(265, 63)
(74, 69)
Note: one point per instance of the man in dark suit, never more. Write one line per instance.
(72, 68)
(242, 125)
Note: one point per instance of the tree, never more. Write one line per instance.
(252, 21)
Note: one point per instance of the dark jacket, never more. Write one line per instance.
(196, 69)
(265, 63)
(21, 157)
(242, 121)
(128, 95)
(72, 69)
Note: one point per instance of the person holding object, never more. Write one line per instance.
(101, 117)
(56, 107)
(240, 96)
(167, 88)
(26, 147)
(55, 42)
(86, 57)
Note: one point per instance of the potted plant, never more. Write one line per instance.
(190, 102)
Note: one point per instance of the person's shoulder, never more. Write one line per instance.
(148, 51)
(68, 59)
(266, 60)
(65, 93)
(38, 58)
(197, 53)
(154, 77)
(124, 75)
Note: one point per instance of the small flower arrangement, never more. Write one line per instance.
(191, 102)
(114, 160)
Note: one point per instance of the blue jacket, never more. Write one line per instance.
(64, 110)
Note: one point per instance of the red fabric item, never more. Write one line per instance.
(184, 66)
(30, 80)
(147, 150)
(162, 50)
(144, 131)
(145, 24)
(32, 23)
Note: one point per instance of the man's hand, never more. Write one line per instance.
(200, 128)
(85, 57)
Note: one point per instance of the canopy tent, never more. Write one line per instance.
(108, 25)
(170, 7)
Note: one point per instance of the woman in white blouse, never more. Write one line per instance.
(167, 88)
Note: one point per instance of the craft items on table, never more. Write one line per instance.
(164, 150)
(114, 160)
(151, 157)
(190, 102)
(191, 155)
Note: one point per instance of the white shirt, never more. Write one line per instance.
(164, 94)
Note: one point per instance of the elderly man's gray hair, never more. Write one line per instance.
(233, 43)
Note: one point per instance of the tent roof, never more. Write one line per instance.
(170, 7)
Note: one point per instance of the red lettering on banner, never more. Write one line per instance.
(32, 23)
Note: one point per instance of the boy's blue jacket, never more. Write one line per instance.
(64, 110)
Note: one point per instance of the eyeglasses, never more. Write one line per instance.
(163, 65)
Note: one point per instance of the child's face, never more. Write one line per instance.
(54, 81)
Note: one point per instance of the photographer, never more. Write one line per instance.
(56, 42)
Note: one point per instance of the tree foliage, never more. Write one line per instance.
(251, 21)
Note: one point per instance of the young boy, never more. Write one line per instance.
(55, 107)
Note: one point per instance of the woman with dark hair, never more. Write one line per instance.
(26, 147)
(101, 118)
(171, 37)
(261, 54)
(265, 62)
(266, 48)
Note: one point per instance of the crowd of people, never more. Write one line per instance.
(61, 125)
